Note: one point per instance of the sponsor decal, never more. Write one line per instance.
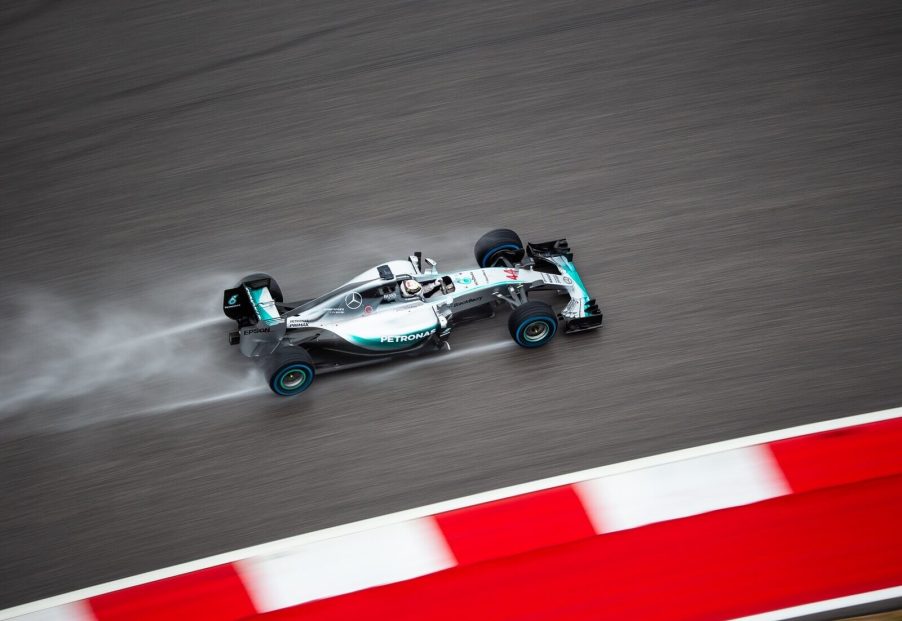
(353, 300)
(404, 338)
(463, 280)
(568, 281)
(367, 309)
(472, 300)
(254, 331)
(233, 299)
(512, 274)
(294, 322)
(338, 310)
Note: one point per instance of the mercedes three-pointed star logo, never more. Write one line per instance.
(353, 300)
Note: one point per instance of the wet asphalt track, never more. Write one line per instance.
(729, 175)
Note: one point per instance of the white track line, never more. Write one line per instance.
(827, 605)
(281, 545)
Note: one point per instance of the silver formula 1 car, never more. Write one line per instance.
(404, 308)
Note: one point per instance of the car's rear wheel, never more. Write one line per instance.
(290, 374)
(496, 246)
(532, 324)
(274, 289)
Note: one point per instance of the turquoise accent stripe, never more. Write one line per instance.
(570, 269)
(255, 296)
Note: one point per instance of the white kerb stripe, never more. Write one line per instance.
(76, 611)
(682, 488)
(346, 563)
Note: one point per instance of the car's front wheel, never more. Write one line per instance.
(532, 324)
(290, 374)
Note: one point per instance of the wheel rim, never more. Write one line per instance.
(293, 379)
(536, 331)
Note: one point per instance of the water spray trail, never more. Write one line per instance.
(76, 362)
(178, 329)
(190, 403)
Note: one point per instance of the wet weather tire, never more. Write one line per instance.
(290, 374)
(532, 324)
(274, 289)
(496, 245)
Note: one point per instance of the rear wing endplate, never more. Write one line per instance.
(250, 303)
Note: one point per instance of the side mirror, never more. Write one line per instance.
(432, 264)
(417, 260)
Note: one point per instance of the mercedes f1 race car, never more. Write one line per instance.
(406, 307)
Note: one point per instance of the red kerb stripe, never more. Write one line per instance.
(842, 456)
(214, 594)
(514, 525)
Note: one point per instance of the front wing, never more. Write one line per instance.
(582, 312)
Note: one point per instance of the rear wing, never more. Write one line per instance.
(250, 303)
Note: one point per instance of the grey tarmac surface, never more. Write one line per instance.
(729, 175)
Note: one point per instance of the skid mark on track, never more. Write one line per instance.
(27, 14)
(219, 64)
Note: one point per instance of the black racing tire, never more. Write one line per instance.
(274, 289)
(532, 324)
(289, 374)
(498, 244)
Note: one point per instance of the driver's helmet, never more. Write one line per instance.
(410, 288)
